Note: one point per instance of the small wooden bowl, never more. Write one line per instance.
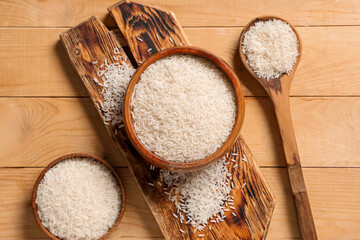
(177, 166)
(84, 155)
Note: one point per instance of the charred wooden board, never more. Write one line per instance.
(146, 29)
(254, 201)
(88, 45)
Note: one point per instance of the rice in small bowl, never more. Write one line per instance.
(78, 196)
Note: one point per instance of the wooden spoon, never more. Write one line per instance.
(278, 90)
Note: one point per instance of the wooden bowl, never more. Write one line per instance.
(115, 174)
(177, 166)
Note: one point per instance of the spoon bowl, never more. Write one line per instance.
(284, 81)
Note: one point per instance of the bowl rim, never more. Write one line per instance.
(63, 158)
(177, 166)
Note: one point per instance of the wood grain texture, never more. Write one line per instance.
(326, 65)
(190, 13)
(327, 62)
(35, 125)
(73, 125)
(327, 128)
(162, 209)
(334, 220)
(297, 182)
(147, 30)
(17, 220)
(87, 46)
(43, 63)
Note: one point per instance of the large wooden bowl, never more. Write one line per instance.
(178, 166)
(84, 155)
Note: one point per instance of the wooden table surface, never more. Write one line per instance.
(45, 111)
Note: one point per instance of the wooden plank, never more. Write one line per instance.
(43, 63)
(328, 189)
(90, 40)
(189, 12)
(45, 69)
(326, 64)
(35, 131)
(338, 121)
(17, 220)
(73, 126)
(319, 123)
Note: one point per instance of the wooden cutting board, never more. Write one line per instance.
(146, 27)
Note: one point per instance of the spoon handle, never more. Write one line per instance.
(297, 183)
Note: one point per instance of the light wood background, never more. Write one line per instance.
(45, 111)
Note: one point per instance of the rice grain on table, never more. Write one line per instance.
(183, 108)
(78, 198)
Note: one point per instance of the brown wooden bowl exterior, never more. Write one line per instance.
(53, 163)
(264, 81)
(198, 164)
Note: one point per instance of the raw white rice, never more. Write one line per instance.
(115, 80)
(201, 194)
(183, 108)
(78, 198)
(271, 48)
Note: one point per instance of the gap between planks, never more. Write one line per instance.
(261, 167)
(39, 45)
(246, 96)
(209, 26)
